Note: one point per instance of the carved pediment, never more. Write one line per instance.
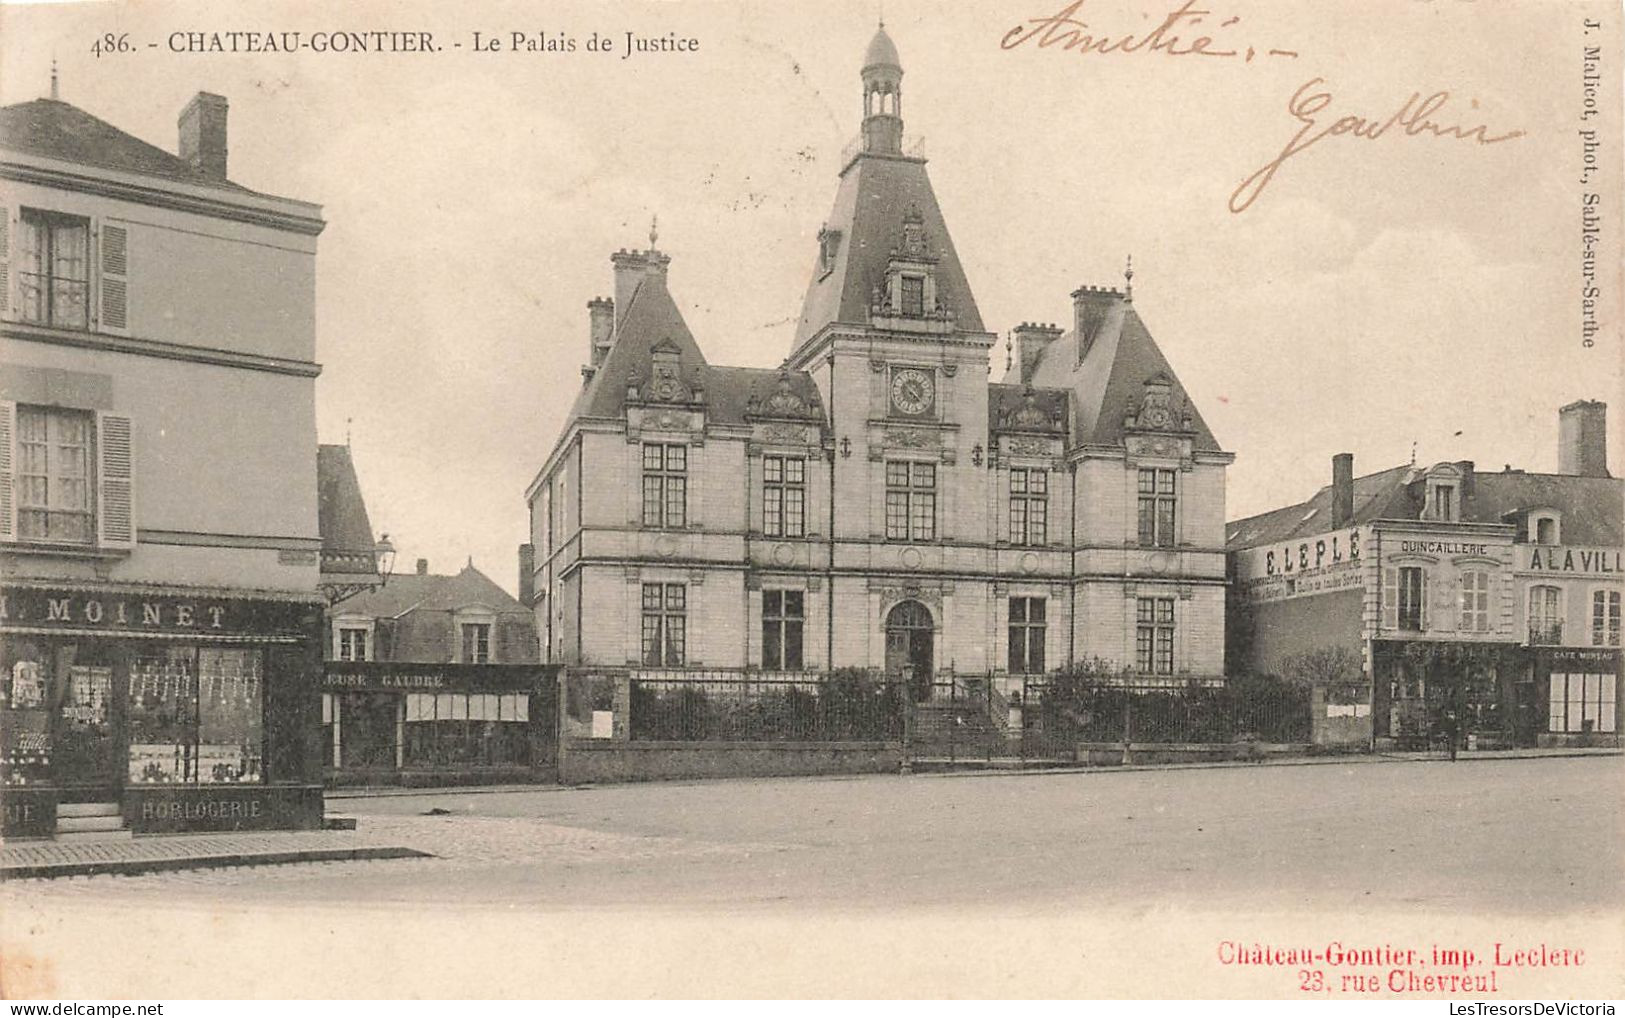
(1156, 408)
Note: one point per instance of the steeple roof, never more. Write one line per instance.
(1111, 377)
(875, 193)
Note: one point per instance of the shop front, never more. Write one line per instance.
(165, 709)
(1425, 689)
(1574, 696)
(438, 724)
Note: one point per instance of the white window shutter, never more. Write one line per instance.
(115, 509)
(7, 231)
(1427, 593)
(8, 471)
(1390, 598)
(113, 291)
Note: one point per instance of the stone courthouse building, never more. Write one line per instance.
(876, 500)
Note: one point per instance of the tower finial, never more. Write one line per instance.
(1128, 280)
(347, 422)
(654, 230)
(1009, 349)
(55, 94)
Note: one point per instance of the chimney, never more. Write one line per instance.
(423, 567)
(527, 574)
(1582, 439)
(1031, 340)
(203, 134)
(1342, 490)
(1096, 311)
(1469, 483)
(600, 329)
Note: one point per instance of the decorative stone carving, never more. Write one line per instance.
(910, 438)
(1026, 446)
(785, 434)
(1155, 410)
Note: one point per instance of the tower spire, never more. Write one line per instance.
(882, 95)
(1128, 280)
(654, 230)
(55, 93)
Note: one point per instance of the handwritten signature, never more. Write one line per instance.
(1414, 117)
(1064, 29)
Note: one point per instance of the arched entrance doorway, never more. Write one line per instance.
(909, 639)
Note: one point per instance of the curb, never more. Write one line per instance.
(387, 791)
(132, 867)
(980, 770)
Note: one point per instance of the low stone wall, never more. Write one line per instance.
(439, 777)
(586, 761)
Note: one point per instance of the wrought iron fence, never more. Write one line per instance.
(1058, 714)
(747, 707)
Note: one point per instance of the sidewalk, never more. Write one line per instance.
(975, 767)
(151, 854)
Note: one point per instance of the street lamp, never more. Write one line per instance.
(384, 555)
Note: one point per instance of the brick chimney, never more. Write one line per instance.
(203, 134)
(1582, 439)
(1469, 483)
(1342, 489)
(1097, 311)
(1030, 340)
(631, 268)
(423, 567)
(527, 574)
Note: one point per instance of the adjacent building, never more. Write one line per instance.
(434, 678)
(160, 623)
(1492, 595)
(876, 501)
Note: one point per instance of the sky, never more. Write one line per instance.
(1379, 295)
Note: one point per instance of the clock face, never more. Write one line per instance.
(912, 390)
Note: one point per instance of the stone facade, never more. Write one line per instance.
(877, 501)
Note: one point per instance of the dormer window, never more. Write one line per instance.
(1545, 528)
(1442, 502)
(913, 296)
(829, 245)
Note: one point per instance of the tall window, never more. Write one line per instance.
(665, 485)
(1581, 703)
(1154, 635)
(1605, 618)
(1027, 635)
(913, 296)
(1444, 501)
(476, 642)
(1029, 506)
(1545, 530)
(53, 475)
(665, 624)
(784, 496)
(911, 501)
(1157, 504)
(1475, 601)
(54, 277)
(194, 715)
(1412, 598)
(353, 643)
(783, 617)
(1545, 616)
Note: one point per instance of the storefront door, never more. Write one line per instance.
(86, 698)
(368, 732)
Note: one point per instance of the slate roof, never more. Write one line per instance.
(1111, 377)
(1592, 508)
(414, 591)
(58, 130)
(875, 192)
(651, 318)
(341, 512)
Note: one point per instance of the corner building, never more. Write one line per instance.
(160, 626)
(876, 501)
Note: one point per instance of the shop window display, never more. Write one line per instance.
(195, 716)
(480, 729)
(25, 718)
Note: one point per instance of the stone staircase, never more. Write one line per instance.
(955, 729)
(90, 821)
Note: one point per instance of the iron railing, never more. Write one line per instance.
(764, 706)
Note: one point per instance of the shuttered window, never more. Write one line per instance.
(114, 284)
(67, 477)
